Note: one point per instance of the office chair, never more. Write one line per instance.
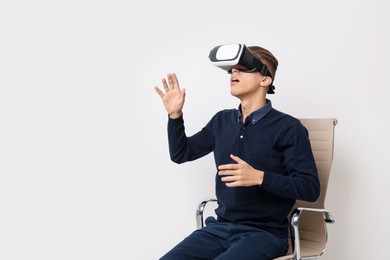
(308, 220)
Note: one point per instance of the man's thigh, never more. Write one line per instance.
(259, 245)
(198, 245)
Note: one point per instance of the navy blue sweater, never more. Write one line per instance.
(269, 140)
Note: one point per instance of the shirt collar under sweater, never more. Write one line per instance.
(256, 115)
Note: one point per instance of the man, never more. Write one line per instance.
(263, 157)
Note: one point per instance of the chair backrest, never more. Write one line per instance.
(321, 135)
(312, 228)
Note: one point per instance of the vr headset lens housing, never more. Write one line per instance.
(226, 54)
(229, 55)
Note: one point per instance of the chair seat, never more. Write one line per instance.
(308, 248)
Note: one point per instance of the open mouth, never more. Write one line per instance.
(234, 80)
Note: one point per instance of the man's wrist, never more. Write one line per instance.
(175, 115)
(261, 177)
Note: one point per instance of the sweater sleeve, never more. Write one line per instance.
(300, 181)
(183, 148)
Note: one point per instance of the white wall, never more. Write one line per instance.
(84, 165)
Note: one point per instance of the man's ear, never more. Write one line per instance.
(265, 81)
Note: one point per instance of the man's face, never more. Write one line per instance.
(244, 83)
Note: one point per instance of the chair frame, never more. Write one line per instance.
(295, 218)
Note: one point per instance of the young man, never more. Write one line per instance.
(263, 158)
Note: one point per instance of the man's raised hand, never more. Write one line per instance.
(173, 97)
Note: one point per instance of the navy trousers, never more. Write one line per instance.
(228, 241)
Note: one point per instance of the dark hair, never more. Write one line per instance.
(267, 58)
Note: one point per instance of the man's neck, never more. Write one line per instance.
(248, 106)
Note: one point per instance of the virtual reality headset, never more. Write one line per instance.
(229, 55)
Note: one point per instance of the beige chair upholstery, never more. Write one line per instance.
(308, 219)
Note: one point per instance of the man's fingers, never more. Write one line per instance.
(232, 181)
(226, 173)
(232, 184)
(228, 179)
(159, 92)
(165, 84)
(230, 172)
(170, 81)
(231, 166)
(175, 81)
(237, 159)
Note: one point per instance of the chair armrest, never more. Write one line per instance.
(199, 212)
(328, 216)
(295, 217)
